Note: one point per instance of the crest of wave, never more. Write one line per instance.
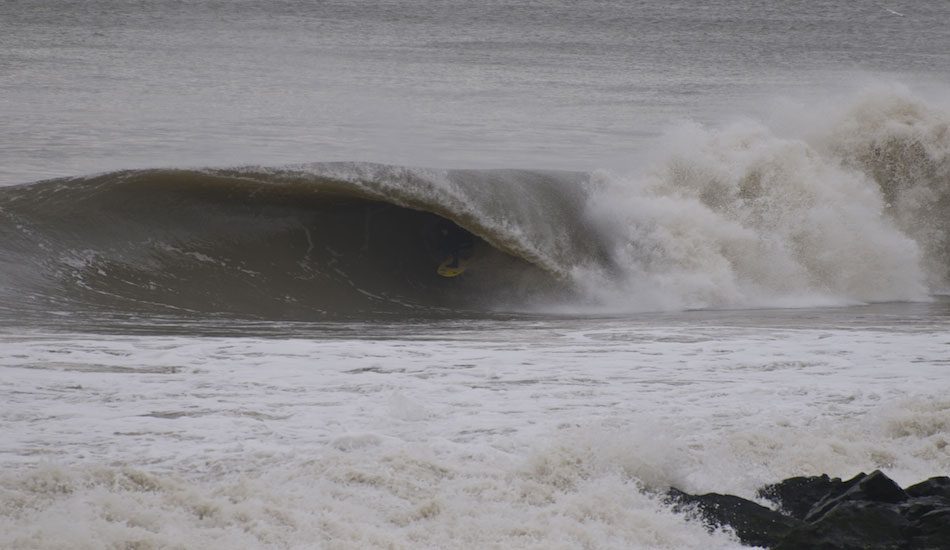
(742, 217)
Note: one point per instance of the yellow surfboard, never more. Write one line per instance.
(447, 270)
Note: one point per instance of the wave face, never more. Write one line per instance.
(740, 216)
(297, 243)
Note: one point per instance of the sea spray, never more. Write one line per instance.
(903, 145)
(740, 217)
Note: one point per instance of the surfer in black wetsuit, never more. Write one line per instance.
(452, 240)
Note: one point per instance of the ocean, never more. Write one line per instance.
(706, 246)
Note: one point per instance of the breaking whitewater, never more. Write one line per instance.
(266, 357)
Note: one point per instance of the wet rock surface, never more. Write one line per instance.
(866, 512)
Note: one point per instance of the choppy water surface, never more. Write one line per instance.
(523, 433)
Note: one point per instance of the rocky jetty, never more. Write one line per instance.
(866, 512)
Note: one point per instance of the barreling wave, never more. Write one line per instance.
(295, 242)
(732, 217)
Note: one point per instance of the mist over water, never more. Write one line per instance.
(709, 250)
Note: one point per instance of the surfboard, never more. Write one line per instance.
(446, 270)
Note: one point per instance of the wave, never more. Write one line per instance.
(294, 242)
(739, 216)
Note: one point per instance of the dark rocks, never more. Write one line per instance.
(796, 495)
(867, 512)
(876, 487)
(851, 525)
(753, 523)
(933, 487)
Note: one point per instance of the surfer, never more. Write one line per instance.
(452, 240)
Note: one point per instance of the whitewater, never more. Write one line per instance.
(514, 434)
(710, 251)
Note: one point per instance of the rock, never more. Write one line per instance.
(796, 495)
(866, 512)
(754, 524)
(928, 509)
(932, 530)
(875, 487)
(851, 525)
(933, 487)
